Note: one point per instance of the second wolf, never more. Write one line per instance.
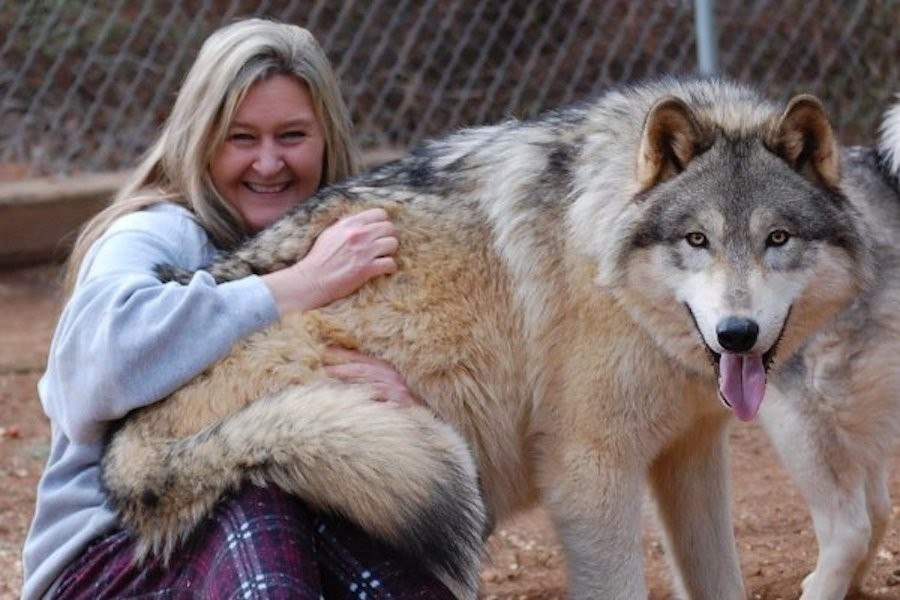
(575, 295)
(833, 411)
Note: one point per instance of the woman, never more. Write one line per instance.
(258, 126)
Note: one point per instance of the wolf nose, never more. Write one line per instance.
(737, 334)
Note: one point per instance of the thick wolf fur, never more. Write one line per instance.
(834, 410)
(565, 301)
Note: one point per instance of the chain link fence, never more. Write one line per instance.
(85, 85)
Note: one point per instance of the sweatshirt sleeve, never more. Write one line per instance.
(125, 340)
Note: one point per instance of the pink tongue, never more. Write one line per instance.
(742, 382)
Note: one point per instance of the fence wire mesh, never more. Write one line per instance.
(85, 85)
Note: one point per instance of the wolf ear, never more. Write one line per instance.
(803, 138)
(672, 137)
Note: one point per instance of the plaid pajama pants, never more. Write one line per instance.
(259, 543)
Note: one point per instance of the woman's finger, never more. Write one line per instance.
(350, 372)
(385, 246)
(338, 354)
(370, 215)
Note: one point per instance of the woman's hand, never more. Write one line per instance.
(354, 367)
(344, 256)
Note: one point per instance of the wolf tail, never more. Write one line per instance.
(399, 474)
(889, 139)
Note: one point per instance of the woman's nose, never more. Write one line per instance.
(269, 161)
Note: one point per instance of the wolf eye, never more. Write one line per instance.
(779, 237)
(695, 239)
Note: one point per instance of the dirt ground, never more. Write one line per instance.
(773, 528)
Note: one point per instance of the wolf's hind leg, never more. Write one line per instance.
(399, 474)
(690, 484)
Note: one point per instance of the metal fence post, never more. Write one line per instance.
(707, 44)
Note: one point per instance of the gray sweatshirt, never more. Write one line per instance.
(125, 340)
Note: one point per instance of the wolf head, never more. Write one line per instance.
(742, 243)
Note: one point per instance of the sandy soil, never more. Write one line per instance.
(773, 528)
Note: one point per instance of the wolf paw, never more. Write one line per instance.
(807, 584)
(817, 587)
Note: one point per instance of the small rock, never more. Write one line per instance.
(11, 432)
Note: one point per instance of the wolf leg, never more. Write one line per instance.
(879, 507)
(399, 474)
(690, 484)
(596, 509)
(843, 532)
(815, 453)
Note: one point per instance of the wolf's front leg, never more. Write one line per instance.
(690, 483)
(828, 472)
(596, 509)
(842, 527)
(843, 531)
(878, 499)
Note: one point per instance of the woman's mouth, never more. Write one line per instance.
(267, 188)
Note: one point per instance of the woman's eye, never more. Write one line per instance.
(779, 237)
(240, 137)
(695, 239)
(294, 135)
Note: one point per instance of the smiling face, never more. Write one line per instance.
(273, 153)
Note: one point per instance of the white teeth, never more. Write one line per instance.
(267, 189)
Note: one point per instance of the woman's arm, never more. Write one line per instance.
(125, 340)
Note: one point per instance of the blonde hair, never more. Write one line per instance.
(176, 167)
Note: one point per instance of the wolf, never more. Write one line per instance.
(579, 299)
(833, 410)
